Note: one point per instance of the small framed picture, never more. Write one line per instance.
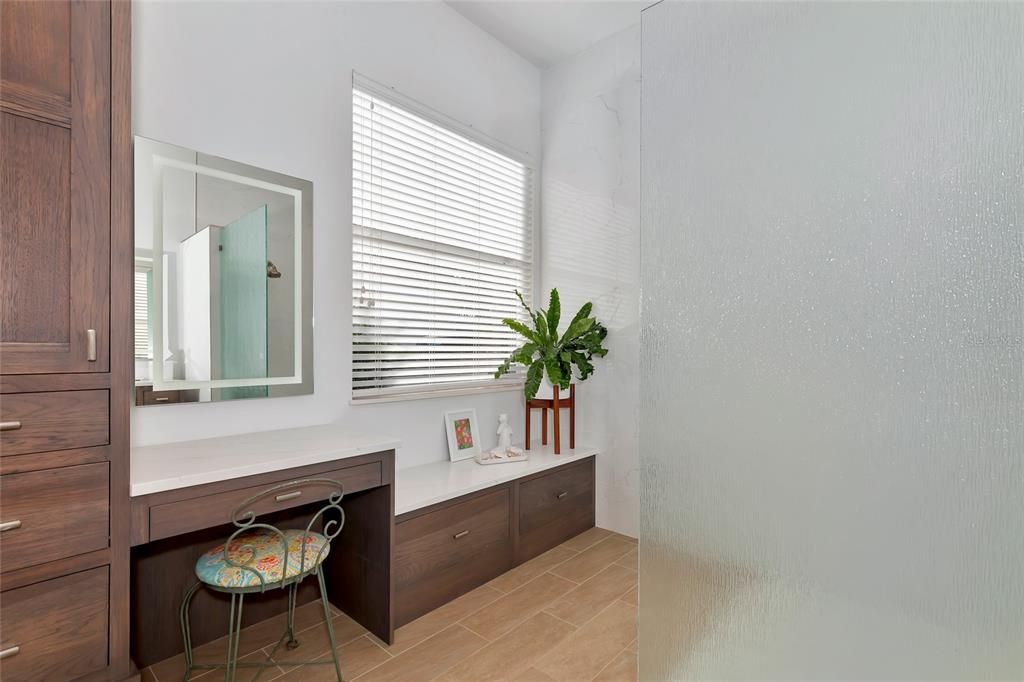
(463, 434)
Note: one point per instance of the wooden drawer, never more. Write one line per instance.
(555, 506)
(57, 420)
(184, 516)
(449, 550)
(62, 512)
(58, 626)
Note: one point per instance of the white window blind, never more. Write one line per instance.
(143, 347)
(442, 238)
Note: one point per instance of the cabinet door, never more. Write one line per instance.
(54, 186)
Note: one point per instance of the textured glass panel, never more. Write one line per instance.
(833, 293)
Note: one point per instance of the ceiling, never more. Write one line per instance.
(549, 31)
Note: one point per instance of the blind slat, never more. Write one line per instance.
(143, 347)
(442, 236)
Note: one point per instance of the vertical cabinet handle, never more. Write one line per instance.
(9, 651)
(9, 525)
(90, 338)
(10, 426)
(461, 534)
(561, 494)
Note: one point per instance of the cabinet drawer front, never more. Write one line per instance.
(59, 628)
(555, 506)
(184, 516)
(59, 513)
(57, 420)
(446, 552)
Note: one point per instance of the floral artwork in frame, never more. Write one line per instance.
(463, 434)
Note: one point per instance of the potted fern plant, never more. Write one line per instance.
(548, 352)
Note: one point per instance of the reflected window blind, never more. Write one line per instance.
(143, 347)
(442, 238)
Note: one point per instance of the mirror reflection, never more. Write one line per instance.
(223, 279)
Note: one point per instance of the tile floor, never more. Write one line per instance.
(568, 615)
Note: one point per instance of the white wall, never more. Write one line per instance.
(269, 84)
(833, 341)
(590, 246)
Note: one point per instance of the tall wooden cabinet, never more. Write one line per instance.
(65, 338)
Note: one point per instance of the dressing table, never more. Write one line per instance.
(413, 539)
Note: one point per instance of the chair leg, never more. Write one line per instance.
(234, 632)
(186, 629)
(292, 643)
(327, 619)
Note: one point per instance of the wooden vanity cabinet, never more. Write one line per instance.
(450, 548)
(66, 263)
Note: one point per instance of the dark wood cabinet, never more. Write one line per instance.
(66, 277)
(450, 550)
(447, 549)
(554, 507)
(55, 186)
(59, 628)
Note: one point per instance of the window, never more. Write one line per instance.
(442, 237)
(143, 342)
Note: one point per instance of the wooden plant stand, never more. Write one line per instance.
(556, 404)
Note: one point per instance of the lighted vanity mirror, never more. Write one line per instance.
(223, 279)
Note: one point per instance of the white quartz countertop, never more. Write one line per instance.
(156, 468)
(428, 484)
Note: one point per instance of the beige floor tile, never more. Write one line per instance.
(593, 596)
(634, 646)
(430, 624)
(357, 657)
(587, 538)
(630, 559)
(313, 641)
(534, 675)
(630, 597)
(621, 669)
(253, 638)
(243, 674)
(502, 615)
(505, 658)
(592, 560)
(524, 573)
(588, 650)
(429, 658)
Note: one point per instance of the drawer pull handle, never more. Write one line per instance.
(461, 534)
(9, 525)
(10, 426)
(561, 494)
(288, 496)
(161, 399)
(90, 338)
(9, 651)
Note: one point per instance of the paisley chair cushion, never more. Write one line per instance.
(262, 551)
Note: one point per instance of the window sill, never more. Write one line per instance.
(437, 393)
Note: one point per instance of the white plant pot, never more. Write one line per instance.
(547, 389)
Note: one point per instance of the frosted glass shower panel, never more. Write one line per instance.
(832, 427)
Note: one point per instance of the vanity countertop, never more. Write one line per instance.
(156, 468)
(427, 484)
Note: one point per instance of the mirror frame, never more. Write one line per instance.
(151, 159)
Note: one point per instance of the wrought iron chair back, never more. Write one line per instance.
(244, 519)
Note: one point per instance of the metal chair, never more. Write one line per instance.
(259, 557)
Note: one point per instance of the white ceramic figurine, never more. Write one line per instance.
(504, 434)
